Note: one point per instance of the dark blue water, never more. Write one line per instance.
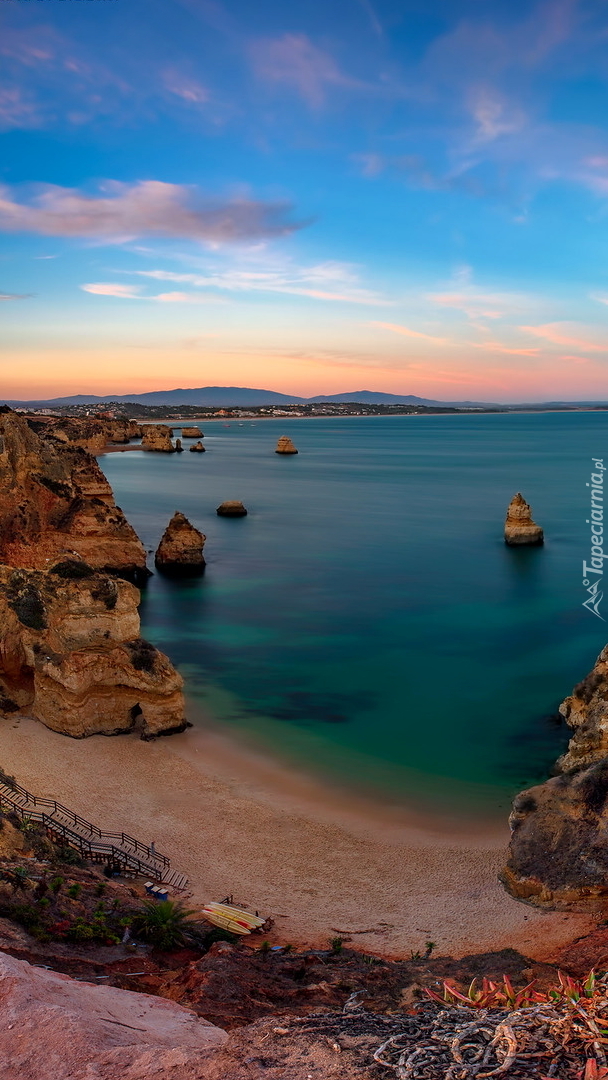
(366, 619)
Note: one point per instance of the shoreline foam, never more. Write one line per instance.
(236, 822)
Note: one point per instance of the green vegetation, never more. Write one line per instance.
(163, 924)
(502, 995)
(75, 890)
(336, 944)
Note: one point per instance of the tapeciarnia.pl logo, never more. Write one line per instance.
(594, 570)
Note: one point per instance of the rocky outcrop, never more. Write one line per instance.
(232, 508)
(191, 433)
(87, 433)
(180, 551)
(198, 448)
(55, 499)
(157, 437)
(178, 446)
(519, 526)
(52, 1026)
(122, 431)
(70, 653)
(558, 853)
(285, 446)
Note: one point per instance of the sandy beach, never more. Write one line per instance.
(320, 865)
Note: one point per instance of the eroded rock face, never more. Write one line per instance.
(52, 1026)
(558, 853)
(191, 433)
(197, 448)
(157, 437)
(285, 446)
(231, 508)
(519, 526)
(70, 653)
(180, 551)
(54, 498)
(122, 431)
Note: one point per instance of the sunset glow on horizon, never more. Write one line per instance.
(409, 198)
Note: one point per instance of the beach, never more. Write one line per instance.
(320, 864)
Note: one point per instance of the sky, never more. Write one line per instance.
(312, 197)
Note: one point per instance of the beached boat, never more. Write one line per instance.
(236, 920)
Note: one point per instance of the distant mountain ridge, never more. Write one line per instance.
(219, 396)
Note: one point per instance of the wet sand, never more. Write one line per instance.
(321, 864)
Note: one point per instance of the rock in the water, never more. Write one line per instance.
(70, 653)
(55, 498)
(586, 711)
(191, 433)
(197, 448)
(285, 446)
(180, 551)
(53, 1027)
(157, 437)
(519, 526)
(232, 508)
(178, 446)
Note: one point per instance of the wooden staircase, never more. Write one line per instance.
(64, 826)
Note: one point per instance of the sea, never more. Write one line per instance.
(366, 622)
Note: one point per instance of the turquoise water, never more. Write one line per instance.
(366, 619)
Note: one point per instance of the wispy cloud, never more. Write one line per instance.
(396, 328)
(322, 281)
(493, 114)
(497, 346)
(148, 208)
(15, 296)
(188, 89)
(107, 288)
(135, 292)
(293, 60)
(566, 333)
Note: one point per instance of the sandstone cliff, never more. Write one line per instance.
(285, 446)
(54, 498)
(519, 526)
(157, 437)
(71, 654)
(197, 448)
(558, 853)
(52, 1026)
(231, 508)
(180, 551)
(191, 433)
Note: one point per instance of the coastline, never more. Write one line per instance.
(320, 863)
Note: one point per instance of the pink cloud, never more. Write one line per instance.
(564, 333)
(189, 90)
(396, 328)
(496, 346)
(123, 292)
(18, 111)
(148, 208)
(294, 61)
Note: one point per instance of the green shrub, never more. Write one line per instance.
(75, 890)
(56, 884)
(163, 924)
(336, 944)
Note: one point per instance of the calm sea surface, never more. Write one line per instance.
(366, 619)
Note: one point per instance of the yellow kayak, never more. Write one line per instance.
(236, 920)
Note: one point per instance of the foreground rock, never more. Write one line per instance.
(285, 446)
(52, 1026)
(197, 448)
(70, 653)
(180, 552)
(558, 853)
(191, 433)
(54, 498)
(232, 508)
(519, 526)
(157, 438)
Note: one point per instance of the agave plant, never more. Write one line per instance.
(592, 1071)
(502, 995)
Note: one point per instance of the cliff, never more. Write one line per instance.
(191, 433)
(558, 855)
(54, 499)
(71, 654)
(519, 526)
(157, 437)
(180, 551)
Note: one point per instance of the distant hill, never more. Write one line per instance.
(219, 396)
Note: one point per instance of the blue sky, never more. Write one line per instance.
(409, 197)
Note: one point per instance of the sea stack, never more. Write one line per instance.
(197, 448)
(191, 433)
(519, 526)
(285, 446)
(157, 437)
(180, 552)
(178, 446)
(232, 508)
